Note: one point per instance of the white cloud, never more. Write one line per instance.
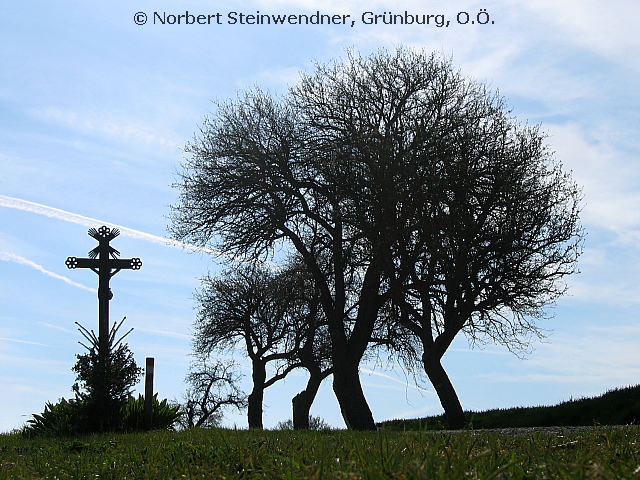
(610, 180)
(602, 27)
(327, 6)
(599, 357)
(52, 212)
(110, 126)
(396, 380)
(57, 327)
(25, 342)
(610, 290)
(164, 333)
(283, 77)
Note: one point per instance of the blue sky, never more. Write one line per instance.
(94, 112)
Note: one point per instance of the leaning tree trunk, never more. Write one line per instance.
(347, 354)
(256, 397)
(345, 358)
(348, 390)
(446, 393)
(302, 402)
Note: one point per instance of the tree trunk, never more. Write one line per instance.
(301, 409)
(446, 393)
(302, 402)
(346, 354)
(255, 399)
(348, 390)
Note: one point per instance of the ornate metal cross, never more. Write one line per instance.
(104, 261)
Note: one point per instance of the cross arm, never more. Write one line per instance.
(115, 263)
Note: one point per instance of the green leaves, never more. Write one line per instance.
(164, 416)
(58, 420)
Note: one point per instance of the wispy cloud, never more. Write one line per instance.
(109, 126)
(397, 380)
(58, 327)
(164, 333)
(10, 257)
(594, 25)
(570, 359)
(609, 182)
(24, 341)
(407, 385)
(52, 212)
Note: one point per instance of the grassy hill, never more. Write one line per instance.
(615, 407)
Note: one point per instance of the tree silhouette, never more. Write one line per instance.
(410, 193)
(249, 306)
(212, 388)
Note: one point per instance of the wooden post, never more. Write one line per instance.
(148, 394)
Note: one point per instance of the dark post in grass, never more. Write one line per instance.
(148, 394)
(104, 261)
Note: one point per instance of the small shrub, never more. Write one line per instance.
(103, 389)
(315, 423)
(164, 416)
(58, 420)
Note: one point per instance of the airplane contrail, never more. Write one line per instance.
(384, 375)
(10, 257)
(52, 212)
(24, 341)
(389, 377)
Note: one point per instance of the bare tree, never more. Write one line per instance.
(396, 179)
(475, 222)
(249, 307)
(212, 389)
(252, 182)
(478, 222)
(485, 253)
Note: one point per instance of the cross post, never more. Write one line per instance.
(104, 261)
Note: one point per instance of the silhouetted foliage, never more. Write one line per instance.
(313, 423)
(266, 313)
(212, 389)
(62, 419)
(102, 390)
(620, 406)
(248, 306)
(165, 415)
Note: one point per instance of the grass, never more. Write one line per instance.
(602, 453)
(402, 450)
(615, 407)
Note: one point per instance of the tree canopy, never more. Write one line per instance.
(420, 207)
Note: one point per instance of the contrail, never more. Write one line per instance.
(23, 341)
(10, 257)
(389, 377)
(52, 212)
(32, 207)
(384, 375)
